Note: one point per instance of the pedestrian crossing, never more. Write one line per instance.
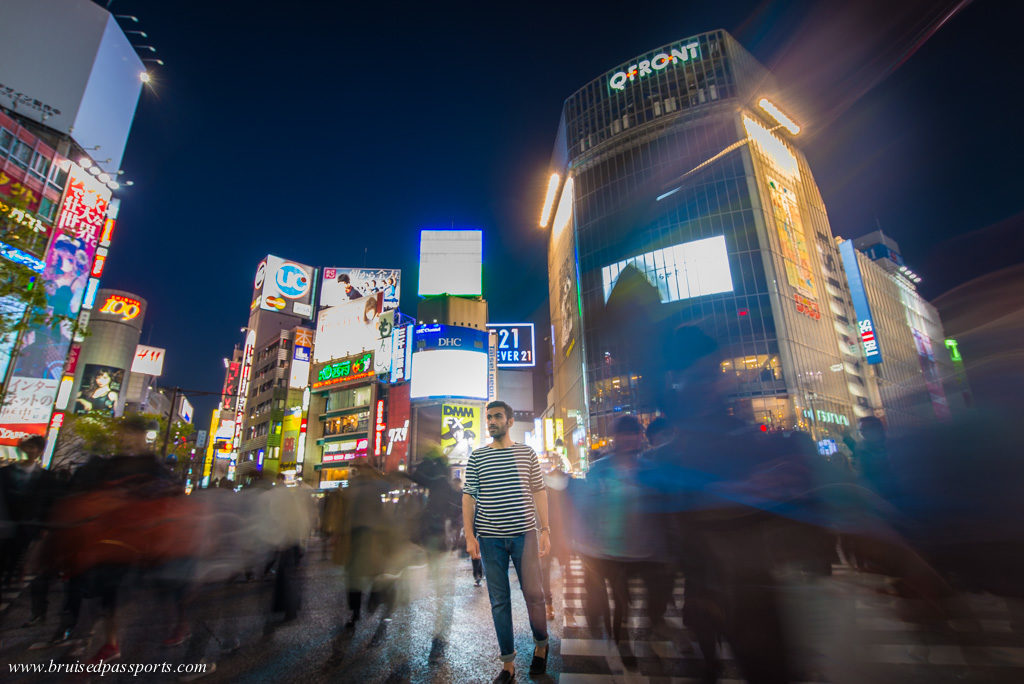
(843, 630)
(10, 592)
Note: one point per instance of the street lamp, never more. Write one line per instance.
(155, 61)
(130, 17)
(145, 47)
(139, 33)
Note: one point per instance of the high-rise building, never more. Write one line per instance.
(679, 169)
(69, 84)
(280, 317)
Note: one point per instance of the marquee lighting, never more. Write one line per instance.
(778, 115)
(549, 200)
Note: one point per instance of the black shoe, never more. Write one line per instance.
(538, 665)
(504, 677)
(626, 653)
(436, 649)
(477, 581)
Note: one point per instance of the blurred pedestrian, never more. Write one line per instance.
(442, 508)
(615, 541)
(555, 481)
(28, 491)
(503, 500)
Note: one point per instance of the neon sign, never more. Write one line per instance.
(378, 428)
(125, 307)
(954, 351)
(647, 67)
(19, 257)
(345, 371)
(22, 218)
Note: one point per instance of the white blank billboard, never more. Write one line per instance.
(449, 373)
(68, 65)
(683, 271)
(451, 262)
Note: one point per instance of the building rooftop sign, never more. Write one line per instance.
(683, 52)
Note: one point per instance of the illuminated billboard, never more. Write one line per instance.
(301, 358)
(149, 360)
(683, 271)
(449, 361)
(284, 287)
(865, 323)
(342, 285)
(792, 239)
(101, 386)
(514, 345)
(359, 367)
(87, 87)
(451, 262)
(401, 353)
(460, 431)
(355, 327)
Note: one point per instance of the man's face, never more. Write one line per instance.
(497, 423)
(32, 453)
(629, 442)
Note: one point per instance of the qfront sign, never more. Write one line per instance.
(659, 62)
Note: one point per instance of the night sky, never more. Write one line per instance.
(329, 133)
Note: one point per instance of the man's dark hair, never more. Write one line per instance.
(657, 427)
(503, 406)
(343, 278)
(627, 425)
(32, 441)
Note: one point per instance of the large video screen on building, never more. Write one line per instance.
(449, 361)
(451, 262)
(683, 271)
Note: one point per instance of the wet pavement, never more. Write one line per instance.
(850, 633)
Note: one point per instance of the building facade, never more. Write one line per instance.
(916, 378)
(676, 167)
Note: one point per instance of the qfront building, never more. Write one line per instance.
(680, 167)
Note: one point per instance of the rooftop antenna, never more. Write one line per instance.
(365, 249)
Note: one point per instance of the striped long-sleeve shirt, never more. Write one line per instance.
(503, 482)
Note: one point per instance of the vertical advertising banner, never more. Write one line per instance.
(460, 431)
(302, 347)
(397, 450)
(343, 285)
(791, 238)
(101, 386)
(865, 323)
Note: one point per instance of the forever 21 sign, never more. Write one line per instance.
(514, 344)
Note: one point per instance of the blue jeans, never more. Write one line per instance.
(525, 556)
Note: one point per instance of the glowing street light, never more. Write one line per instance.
(778, 115)
(145, 77)
(549, 200)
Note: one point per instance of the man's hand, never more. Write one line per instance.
(545, 543)
(472, 546)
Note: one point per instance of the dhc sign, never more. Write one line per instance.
(645, 67)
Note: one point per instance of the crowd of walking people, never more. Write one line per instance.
(695, 497)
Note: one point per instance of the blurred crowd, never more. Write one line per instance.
(746, 521)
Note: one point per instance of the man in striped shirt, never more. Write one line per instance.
(503, 499)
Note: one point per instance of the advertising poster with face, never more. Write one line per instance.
(343, 285)
(44, 347)
(101, 386)
(351, 328)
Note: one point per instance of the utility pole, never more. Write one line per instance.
(170, 419)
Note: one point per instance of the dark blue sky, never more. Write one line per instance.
(315, 131)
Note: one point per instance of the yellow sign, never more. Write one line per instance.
(792, 238)
(460, 431)
(553, 430)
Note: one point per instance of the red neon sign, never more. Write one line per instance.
(378, 428)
